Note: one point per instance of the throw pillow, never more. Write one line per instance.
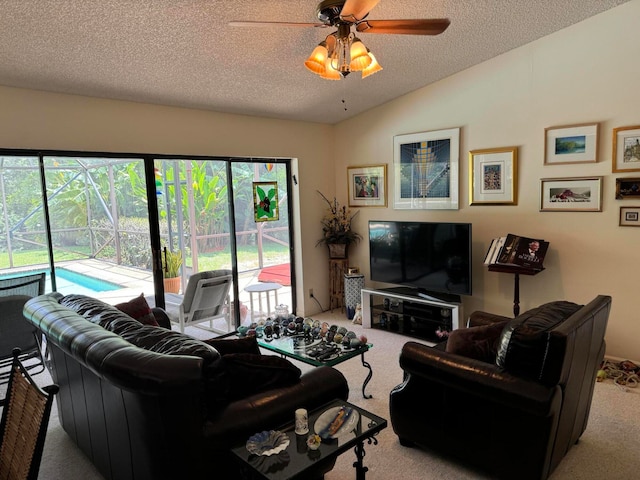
(139, 309)
(480, 343)
(239, 375)
(525, 339)
(234, 345)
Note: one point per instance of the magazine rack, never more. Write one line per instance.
(517, 271)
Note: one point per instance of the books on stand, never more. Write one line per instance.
(494, 250)
(518, 251)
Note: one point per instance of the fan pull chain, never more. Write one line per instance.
(344, 91)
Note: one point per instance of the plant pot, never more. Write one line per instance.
(172, 285)
(338, 250)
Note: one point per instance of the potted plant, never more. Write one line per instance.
(171, 263)
(336, 229)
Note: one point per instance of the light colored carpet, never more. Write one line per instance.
(607, 449)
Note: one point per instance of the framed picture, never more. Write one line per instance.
(426, 170)
(367, 186)
(626, 149)
(630, 216)
(571, 144)
(493, 176)
(577, 194)
(265, 201)
(627, 188)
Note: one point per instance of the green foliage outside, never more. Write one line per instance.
(82, 204)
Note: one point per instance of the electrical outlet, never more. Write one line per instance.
(311, 292)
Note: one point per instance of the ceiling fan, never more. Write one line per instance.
(342, 52)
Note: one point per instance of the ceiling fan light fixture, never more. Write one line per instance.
(330, 73)
(359, 54)
(373, 67)
(317, 59)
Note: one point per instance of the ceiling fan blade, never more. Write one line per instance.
(434, 26)
(280, 24)
(356, 10)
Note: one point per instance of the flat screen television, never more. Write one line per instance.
(434, 258)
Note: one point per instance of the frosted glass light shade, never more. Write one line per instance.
(360, 58)
(317, 59)
(373, 67)
(330, 73)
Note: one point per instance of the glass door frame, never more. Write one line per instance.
(152, 208)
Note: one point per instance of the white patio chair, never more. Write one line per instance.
(206, 299)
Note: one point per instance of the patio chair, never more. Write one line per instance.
(31, 285)
(206, 298)
(23, 427)
(16, 331)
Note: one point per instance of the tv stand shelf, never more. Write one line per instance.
(401, 310)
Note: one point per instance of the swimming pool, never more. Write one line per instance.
(70, 282)
(85, 281)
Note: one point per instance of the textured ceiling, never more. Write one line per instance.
(183, 53)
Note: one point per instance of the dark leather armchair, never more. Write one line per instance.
(513, 417)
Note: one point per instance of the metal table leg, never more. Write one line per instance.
(369, 375)
(361, 470)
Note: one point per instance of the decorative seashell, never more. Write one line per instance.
(267, 442)
(271, 463)
(355, 343)
(342, 331)
(338, 338)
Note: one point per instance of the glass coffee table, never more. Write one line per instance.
(317, 352)
(299, 462)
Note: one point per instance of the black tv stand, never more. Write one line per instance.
(403, 310)
(426, 294)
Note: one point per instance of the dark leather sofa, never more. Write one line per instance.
(507, 396)
(146, 403)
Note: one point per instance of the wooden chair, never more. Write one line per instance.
(23, 427)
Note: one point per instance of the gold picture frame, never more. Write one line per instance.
(493, 176)
(571, 144)
(367, 185)
(626, 149)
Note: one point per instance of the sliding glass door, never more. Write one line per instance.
(98, 225)
(209, 213)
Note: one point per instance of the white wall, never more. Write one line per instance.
(38, 120)
(586, 73)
